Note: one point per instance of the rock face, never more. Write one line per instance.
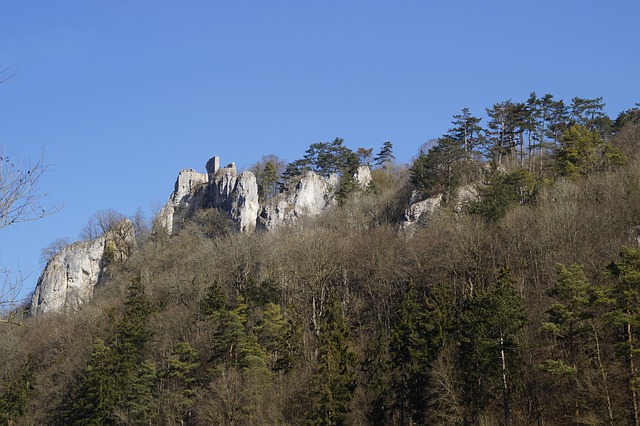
(311, 196)
(182, 199)
(221, 188)
(420, 210)
(71, 275)
(237, 196)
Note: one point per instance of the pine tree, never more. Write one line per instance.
(180, 380)
(625, 319)
(334, 381)
(385, 157)
(106, 379)
(583, 151)
(572, 323)
(441, 170)
(466, 131)
(17, 392)
(489, 345)
(410, 352)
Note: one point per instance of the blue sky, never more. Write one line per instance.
(123, 95)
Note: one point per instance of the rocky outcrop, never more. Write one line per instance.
(236, 194)
(70, 276)
(182, 200)
(421, 210)
(310, 196)
(220, 188)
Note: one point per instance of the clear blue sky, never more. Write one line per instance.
(122, 95)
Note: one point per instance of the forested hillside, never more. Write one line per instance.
(520, 306)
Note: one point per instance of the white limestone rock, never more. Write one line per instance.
(363, 177)
(220, 188)
(182, 199)
(244, 204)
(70, 276)
(418, 210)
(311, 196)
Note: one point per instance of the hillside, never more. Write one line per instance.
(514, 300)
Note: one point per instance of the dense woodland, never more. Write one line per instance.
(519, 306)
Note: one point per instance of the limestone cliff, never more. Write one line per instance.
(221, 188)
(70, 276)
(420, 210)
(237, 196)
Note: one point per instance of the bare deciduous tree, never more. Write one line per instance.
(20, 195)
(21, 200)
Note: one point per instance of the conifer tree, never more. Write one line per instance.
(489, 346)
(410, 356)
(625, 318)
(572, 323)
(467, 131)
(385, 157)
(17, 392)
(106, 379)
(334, 381)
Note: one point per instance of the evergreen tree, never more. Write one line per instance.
(589, 113)
(441, 170)
(506, 126)
(466, 131)
(377, 369)
(385, 157)
(410, 356)
(364, 155)
(17, 392)
(326, 158)
(572, 323)
(140, 404)
(106, 380)
(180, 380)
(501, 190)
(334, 381)
(583, 151)
(490, 326)
(268, 184)
(625, 319)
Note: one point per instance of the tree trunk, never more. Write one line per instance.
(632, 377)
(604, 374)
(505, 386)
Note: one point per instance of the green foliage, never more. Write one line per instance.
(583, 151)
(214, 300)
(411, 352)
(491, 324)
(105, 382)
(377, 369)
(385, 157)
(334, 382)
(326, 158)
(440, 170)
(109, 255)
(500, 191)
(467, 132)
(246, 329)
(179, 379)
(17, 392)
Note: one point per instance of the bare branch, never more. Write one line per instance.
(20, 195)
(12, 309)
